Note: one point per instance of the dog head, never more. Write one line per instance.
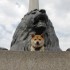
(37, 41)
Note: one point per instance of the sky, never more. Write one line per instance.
(12, 11)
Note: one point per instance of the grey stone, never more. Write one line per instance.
(35, 22)
(34, 60)
(1, 48)
(68, 49)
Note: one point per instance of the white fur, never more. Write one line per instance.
(32, 49)
(41, 44)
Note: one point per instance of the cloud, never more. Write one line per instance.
(64, 42)
(12, 10)
(10, 16)
(63, 6)
(20, 2)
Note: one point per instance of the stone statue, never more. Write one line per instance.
(1, 48)
(35, 22)
(68, 49)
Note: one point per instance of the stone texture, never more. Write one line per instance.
(1, 48)
(34, 60)
(68, 49)
(35, 22)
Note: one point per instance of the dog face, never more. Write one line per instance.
(37, 41)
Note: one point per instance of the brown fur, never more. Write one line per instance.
(37, 43)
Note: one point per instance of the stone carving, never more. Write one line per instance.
(68, 49)
(35, 22)
(1, 48)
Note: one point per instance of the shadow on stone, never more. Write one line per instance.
(68, 49)
(1, 48)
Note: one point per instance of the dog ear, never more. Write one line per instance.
(32, 35)
(42, 35)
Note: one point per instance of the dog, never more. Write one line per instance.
(37, 42)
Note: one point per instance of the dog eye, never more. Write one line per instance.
(34, 39)
(40, 39)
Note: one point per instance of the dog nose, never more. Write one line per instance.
(37, 43)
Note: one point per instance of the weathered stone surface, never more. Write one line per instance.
(1, 48)
(34, 60)
(68, 49)
(36, 22)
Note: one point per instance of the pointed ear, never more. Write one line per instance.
(42, 35)
(32, 35)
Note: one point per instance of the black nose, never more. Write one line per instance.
(37, 43)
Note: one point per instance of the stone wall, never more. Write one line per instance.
(34, 60)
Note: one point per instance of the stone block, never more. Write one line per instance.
(10, 60)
